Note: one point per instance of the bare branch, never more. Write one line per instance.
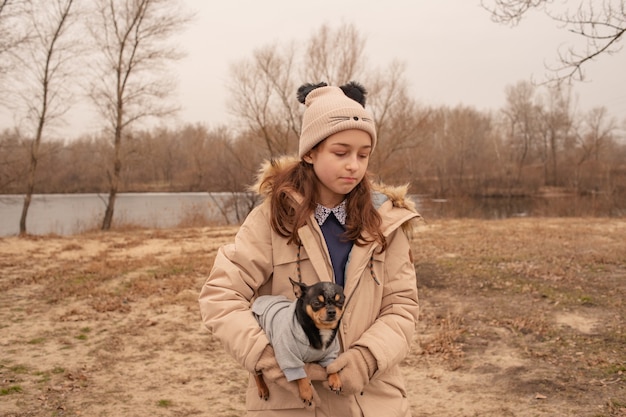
(510, 11)
(601, 24)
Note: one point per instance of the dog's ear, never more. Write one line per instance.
(298, 288)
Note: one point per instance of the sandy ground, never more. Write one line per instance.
(520, 317)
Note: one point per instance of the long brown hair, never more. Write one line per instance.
(288, 215)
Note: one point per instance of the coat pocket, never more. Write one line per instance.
(285, 266)
(288, 264)
(385, 396)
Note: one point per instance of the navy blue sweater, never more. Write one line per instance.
(338, 247)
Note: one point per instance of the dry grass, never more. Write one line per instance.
(520, 317)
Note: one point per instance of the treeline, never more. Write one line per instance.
(192, 158)
(519, 150)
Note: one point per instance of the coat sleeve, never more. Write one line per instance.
(239, 270)
(389, 337)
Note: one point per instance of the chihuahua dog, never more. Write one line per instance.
(302, 331)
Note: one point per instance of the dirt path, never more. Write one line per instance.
(521, 317)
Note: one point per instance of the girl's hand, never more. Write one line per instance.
(355, 367)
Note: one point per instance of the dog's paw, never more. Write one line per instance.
(305, 388)
(334, 383)
(264, 394)
(263, 390)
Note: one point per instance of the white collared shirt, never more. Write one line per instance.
(322, 213)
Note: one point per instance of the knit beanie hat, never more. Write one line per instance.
(331, 110)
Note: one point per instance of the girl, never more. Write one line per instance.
(321, 220)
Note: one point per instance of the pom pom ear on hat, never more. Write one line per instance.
(331, 110)
(305, 89)
(355, 91)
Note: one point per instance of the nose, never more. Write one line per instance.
(331, 314)
(352, 163)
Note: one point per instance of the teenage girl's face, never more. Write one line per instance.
(340, 163)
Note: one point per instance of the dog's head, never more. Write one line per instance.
(323, 302)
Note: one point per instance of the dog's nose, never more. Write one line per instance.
(331, 314)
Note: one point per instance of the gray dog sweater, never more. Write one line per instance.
(277, 316)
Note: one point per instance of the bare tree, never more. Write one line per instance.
(521, 119)
(263, 97)
(597, 131)
(335, 56)
(467, 130)
(13, 31)
(600, 23)
(399, 120)
(131, 83)
(459, 152)
(557, 120)
(41, 91)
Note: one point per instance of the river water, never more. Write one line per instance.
(67, 214)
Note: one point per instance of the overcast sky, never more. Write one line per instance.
(454, 53)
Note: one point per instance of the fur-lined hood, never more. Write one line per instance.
(397, 195)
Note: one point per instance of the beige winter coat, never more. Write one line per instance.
(379, 315)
